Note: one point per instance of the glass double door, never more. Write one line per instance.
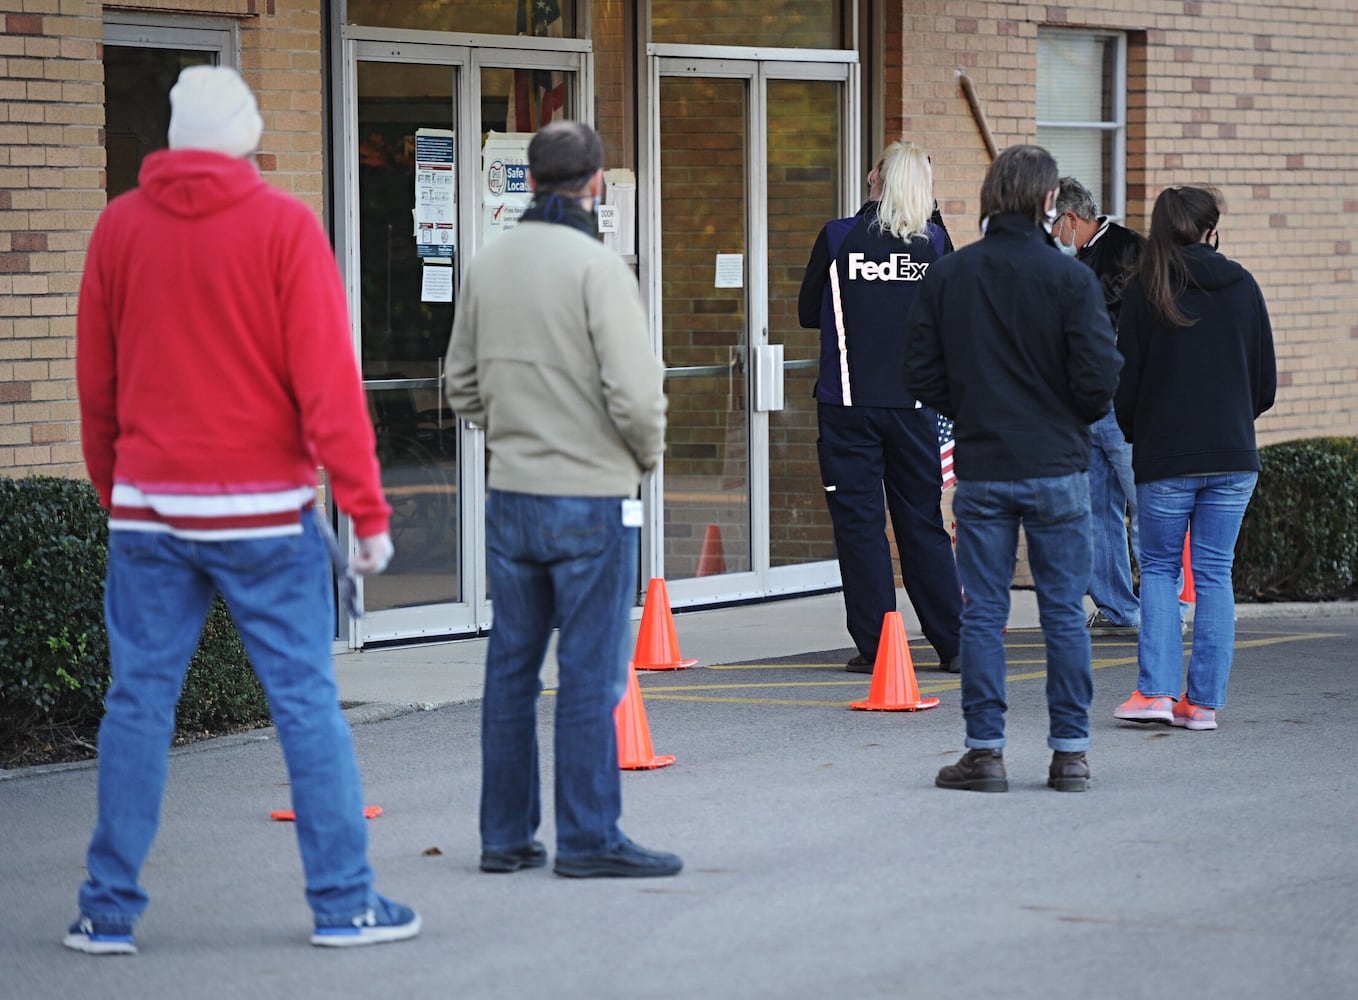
(751, 159)
(426, 133)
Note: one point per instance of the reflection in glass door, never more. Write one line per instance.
(703, 179)
(403, 333)
(751, 162)
(803, 133)
(419, 120)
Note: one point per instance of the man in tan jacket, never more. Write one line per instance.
(550, 355)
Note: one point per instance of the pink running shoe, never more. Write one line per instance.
(1190, 716)
(1139, 708)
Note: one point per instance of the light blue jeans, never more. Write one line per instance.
(567, 563)
(1213, 507)
(1054, 513)
(1111, 491)
(280, 592)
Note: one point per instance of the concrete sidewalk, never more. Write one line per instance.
(383, 682)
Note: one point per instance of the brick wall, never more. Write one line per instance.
(51, 161)
(52, 185)
(1265, 107)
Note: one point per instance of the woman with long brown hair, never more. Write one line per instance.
(1198, 370)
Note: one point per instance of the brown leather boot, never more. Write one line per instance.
(977, 771)
(1069, 771)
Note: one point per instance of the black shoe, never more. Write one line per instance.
(977, 771)
(953, 666)
(532, 856)
(627, 860)
(1069, 771)
(860, 664)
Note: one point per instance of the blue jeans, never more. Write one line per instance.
(1111, 490)
(1213, 506)
(568, 563)
(280, 593)
(1055, 517)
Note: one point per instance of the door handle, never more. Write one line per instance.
(768, 377)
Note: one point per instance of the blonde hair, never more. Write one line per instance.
(907, 182)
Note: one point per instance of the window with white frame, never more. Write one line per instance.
(1082, 110)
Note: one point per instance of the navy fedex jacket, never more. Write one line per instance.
(858, 287)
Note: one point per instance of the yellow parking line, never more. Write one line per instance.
(687, 692)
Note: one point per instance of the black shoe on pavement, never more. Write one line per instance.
(977, 771)
(1100, 624)
(860, 664)
(532, 856)
(1069, 771)
(627, 860)
(953, 666)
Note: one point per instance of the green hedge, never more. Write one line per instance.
(53, 645)
(1299, 539)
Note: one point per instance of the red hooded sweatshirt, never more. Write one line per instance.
(214, 356)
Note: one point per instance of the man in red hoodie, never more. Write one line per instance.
(216, 372)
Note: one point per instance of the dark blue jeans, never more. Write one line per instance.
(1054, 513)
(567, 563)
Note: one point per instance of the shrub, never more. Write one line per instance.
(53, 644)
(1299, 539)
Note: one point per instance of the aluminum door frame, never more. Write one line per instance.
(464, 55)
(757, 67)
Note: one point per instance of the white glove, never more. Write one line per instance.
(374, 552)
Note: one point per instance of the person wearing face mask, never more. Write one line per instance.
(1199, 369)
(1111, 251)
(1011, 340)
(562, 376)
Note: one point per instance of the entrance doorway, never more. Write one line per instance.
(751, 159)
(421, 125)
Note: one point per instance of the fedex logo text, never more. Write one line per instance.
(898, 267)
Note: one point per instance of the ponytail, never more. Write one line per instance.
(907, 192)
(1181, 217)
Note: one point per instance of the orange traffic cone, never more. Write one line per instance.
(1189, 593)
(288, 816)
(894, 688)
(712, 559)
(635, 752)
(657, 642)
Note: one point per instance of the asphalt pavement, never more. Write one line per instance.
(820, 860)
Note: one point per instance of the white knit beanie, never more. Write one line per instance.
(211, 108)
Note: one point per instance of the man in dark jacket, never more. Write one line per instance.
(1110, 251)
(1011, 340)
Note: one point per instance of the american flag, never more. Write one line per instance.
(945, 443)
(538, 94)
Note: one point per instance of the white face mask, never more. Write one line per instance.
(1051, 217)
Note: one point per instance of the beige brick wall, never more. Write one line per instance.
(52, 185)
(1263, 106)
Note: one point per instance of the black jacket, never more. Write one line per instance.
(862, 334)
(1111, 253)
(1189, 395)
(1010, 338)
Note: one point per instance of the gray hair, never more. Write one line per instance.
(1075, 197)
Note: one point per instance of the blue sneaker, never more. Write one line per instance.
(384, 921)
(99, 938)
